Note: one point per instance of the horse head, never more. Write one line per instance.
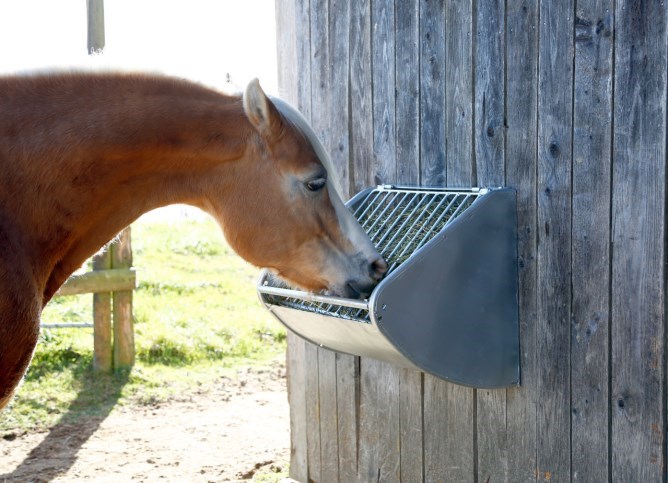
(283, 210)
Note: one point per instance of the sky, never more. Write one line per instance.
(203, 40)
(208, 41)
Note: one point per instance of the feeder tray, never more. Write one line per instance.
(448, 304)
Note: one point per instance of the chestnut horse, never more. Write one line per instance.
(84, 155)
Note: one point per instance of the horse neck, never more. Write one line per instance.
(102, 162)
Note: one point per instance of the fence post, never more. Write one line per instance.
(95, 10)
(102, 318)
(124, 344)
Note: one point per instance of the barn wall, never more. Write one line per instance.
(563, 101)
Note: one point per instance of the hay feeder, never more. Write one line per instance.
(448, 305)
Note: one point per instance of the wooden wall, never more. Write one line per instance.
(566, 102)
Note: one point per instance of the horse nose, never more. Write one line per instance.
(377, 269)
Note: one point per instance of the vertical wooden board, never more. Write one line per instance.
(338, 118)
(407, 84)
(459, 93)
(492, 444)
(521, 142)
(303, 61)
(329, 444)
(347, 401)
(360, 101)
(384, 170)
(448, 432)
(592, 136)
(368, 465)
(361, 138)
(296, 372)
(321, 106)
(456, 424)
(388, 413)
(638, 235)
(286, 48)
(291, 29)
(124, 336)
(347, 367)
(384, 91)
(312, 391)
(448, 409)
(555, 77)
(489, 92)
(102, 342)
(407, 117)
(410, 423)
(432, 93)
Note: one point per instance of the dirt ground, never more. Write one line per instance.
(232, 431)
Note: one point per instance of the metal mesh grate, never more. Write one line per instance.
(399, 222)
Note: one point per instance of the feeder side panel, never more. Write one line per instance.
(462, 288)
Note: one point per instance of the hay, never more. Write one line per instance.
(398, 223)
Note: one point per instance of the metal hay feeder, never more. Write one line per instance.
(448, 304)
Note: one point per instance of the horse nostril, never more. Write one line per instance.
(378, 268)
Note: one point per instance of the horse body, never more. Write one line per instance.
(83, 155)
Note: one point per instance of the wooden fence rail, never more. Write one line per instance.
(111, 282)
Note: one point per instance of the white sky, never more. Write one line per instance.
(203, 40)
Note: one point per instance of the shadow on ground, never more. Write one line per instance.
(56, 453)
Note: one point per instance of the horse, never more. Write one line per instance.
(82, 155)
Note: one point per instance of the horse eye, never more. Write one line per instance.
(316, 184)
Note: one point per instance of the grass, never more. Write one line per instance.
(197, 317)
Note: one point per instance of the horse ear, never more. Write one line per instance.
(260, 111)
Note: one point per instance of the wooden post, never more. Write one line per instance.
(102, 319)
(95, 10)
(124, 344)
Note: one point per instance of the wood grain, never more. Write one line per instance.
(638, 243)
(555, 87)
(102, 341)
(521, 172)
(592, 140)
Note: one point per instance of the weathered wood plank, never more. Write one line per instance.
(407, 80)
(384, 169)
(448, 431)
(492, 443)
(296, 384)
(347, 367)
(555, 87)
(432, 93)
(638, 237)
(408, 173)
(368, 466)
(448, 409)
(102, 342)
(459, 93)
(347, 394)
(100, 281)
(329, 441)
(124, 335)
(521, 145)
(361, 109)
(320, 111)
(290, 29)
(312, 390)
(384, 91)
(489, 93)
(592, 136)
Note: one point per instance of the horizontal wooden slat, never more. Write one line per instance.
(112, 280)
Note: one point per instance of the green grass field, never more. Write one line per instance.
(196, 315)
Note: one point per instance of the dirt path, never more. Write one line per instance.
(229, 432)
